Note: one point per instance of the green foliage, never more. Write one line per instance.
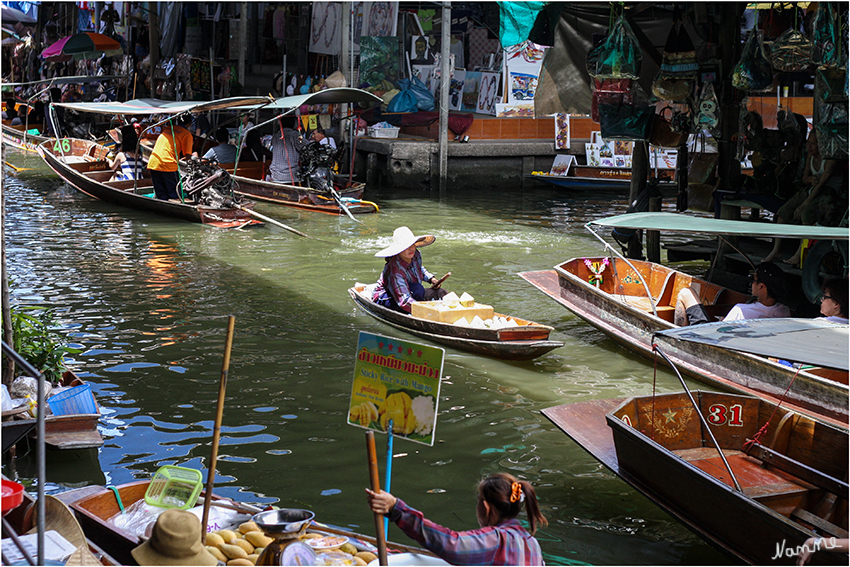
(35, 339)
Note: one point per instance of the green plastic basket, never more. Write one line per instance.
(174, 487)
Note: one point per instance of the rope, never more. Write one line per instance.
(749, 443)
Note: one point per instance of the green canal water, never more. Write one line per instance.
(146, 300)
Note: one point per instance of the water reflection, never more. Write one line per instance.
(146, 300)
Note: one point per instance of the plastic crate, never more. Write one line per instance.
(391, 132)
(76, 400)
(174, 487)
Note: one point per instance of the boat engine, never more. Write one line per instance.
(205, 183)
(316, 162)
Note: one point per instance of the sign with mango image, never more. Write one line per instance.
(396, 381)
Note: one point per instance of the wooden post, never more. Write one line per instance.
(445, 83)
(153, 45)
(682, 179)
(243, 42)
(640, 171)
(653, 237)
(371, 169)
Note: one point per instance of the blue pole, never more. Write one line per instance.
(389, 471)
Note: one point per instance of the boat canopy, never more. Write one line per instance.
(147, 106)
(808, 341)
(337, 95)
(77, 79)
(676, 222)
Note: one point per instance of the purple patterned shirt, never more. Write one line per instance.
(401, 277)
(505, 544)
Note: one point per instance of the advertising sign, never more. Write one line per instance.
(396, 380)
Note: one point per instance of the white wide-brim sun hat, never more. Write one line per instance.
(403, 238)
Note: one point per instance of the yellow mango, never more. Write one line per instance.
(258, 539)
(227, 535)
(409, 424)
(359, 561)
(311, 535)
(354, 414)
(366, 556)
(216, 552)
(213, 540)
(253, 558)
(348, 548)
(244, 544)
(240, 561)
(248, 527)
(233, 551)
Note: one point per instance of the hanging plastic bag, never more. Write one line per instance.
(611, 92)
(708, 111)
(792, 51)
(831, 84)
(753, 71)
(620, 54)
(832, 127)
(827, 44)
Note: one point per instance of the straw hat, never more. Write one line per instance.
(176, 540)
(59, 518)
(403, 238)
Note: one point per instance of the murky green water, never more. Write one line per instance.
(147, 300)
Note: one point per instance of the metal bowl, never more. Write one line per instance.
(285, 520)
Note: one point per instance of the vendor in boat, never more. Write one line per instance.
(400, 283)
(766, 285)
(173, 143)
(833, 300)
(501, 539)
(285, 158)
(224, 152)
(126, 165)
(175, 540)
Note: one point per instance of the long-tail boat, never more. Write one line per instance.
(751, 478)
(524, 340)
(631, 300)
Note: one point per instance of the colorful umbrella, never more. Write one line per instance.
(11, 15)
(79, 46)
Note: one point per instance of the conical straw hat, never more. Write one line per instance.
(59, 518)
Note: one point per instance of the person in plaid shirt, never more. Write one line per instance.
(501, 539)
(400, 283)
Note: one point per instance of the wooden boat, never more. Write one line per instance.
(82, 164)
(636, 299)
(348, 195)
(526, 341)
(17, 136)
(73, 431)
(589, 178)
(788, 486)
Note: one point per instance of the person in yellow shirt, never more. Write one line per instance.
(174, 143)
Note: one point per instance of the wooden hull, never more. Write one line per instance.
(303, 198)
(15, 137)
(76, 431)
(525, 342)
(621, 309)
(671, 460)
(593, 178)
(84, 168)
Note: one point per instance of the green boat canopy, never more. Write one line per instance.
(676, 222)
(148, 106)
(337, 95)
(808, 341)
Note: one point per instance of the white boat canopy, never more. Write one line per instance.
(808, 341)
(676, 222)
(77, 79)
(337, 95)
(148, 106)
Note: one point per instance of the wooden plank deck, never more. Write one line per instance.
(585, 423)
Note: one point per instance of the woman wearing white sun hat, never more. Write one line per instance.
(400, 283)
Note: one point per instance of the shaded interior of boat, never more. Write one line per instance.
(24, 127)
(798, 468)
(620, 282)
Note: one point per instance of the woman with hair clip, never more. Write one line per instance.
(501, 539)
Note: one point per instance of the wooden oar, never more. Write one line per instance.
(441, 280)
(16, 168)
(376, 487)
(339, 202)
(230, 203)
(225, 367)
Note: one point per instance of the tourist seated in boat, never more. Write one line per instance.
(820, 196)
(11, 114)
(175, 540)
(285, 143)
(174, 143)
(254, 149)
(766, 285)
(224, 152)
(501, 538)
(833, 300)
(400, 282)
(127, 165)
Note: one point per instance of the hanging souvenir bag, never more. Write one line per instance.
(620, 54)
(792, 51)
(679, 60)
(753, 71)
(702, 175)
(625, 122)
(831, 84)
(708, 111)
(611, 92)
(832, 127)
(826, 37)
(663, 132)
(675, 90)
